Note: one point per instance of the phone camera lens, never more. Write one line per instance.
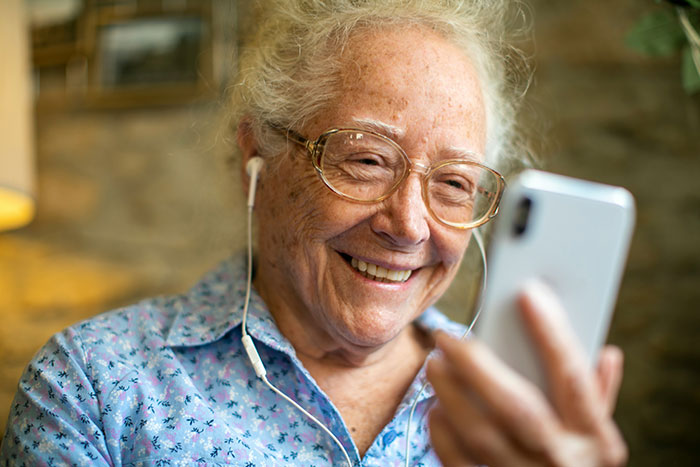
(522, 216)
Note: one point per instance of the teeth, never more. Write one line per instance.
(378, 273)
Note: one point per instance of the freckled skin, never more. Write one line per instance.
(408, 78)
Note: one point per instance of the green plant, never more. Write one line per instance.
(670, 29)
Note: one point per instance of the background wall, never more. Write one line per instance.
(134, 203)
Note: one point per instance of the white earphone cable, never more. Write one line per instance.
(249, 346)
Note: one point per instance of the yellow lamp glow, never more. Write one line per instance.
(16, 209)
(16, 124)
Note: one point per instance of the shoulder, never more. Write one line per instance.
(104, 349)
(134, 333)
(146, 322)
(63, 396)
(109, 346)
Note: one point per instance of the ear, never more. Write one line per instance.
(248, 144)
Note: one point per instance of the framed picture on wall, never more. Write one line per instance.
(147, 57)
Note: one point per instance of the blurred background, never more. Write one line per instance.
(117, 129)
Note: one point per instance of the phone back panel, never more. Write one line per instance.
(576, 240)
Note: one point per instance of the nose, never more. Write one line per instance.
(403, 218)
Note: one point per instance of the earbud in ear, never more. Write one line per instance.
(253, 168)
(254, 165)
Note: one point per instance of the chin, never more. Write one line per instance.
(373, 332)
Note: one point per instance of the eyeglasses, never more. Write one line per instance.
(367, 167)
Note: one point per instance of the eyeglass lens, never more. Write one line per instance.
(366, 167)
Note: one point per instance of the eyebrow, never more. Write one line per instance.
(376, 126)
(396, 133)
(461, 153)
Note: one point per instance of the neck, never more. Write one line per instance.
(365, 383)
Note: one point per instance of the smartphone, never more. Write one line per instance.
(571, 234)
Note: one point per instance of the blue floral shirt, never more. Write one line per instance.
(167, 382)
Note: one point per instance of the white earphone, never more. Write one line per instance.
(253, 168)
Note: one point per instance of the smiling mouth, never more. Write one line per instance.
(378, 273)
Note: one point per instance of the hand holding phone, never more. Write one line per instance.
(571, 238)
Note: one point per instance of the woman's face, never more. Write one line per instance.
(423, 92)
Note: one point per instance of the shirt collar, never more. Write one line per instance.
(214, 306)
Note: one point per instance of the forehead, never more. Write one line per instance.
(413, 79)
(376, 51)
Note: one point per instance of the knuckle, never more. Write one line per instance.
(574, 383)
(532, 421)
(521, 413)
(575, 395)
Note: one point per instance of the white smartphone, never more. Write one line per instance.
(572, 234)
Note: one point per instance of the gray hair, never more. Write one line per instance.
(289, 72)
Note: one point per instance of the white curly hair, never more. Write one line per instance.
(289, 71)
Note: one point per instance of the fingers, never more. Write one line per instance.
(582, 400)
(490, 415)
(445, 441)
(609, 371)
(572, 387)
(476, 432)
(499, 419)
(515, 404)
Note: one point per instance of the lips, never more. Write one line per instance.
(379, 273)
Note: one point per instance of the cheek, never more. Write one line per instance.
(301, 210)
(452, 245)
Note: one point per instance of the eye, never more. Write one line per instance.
(454, 184)
(366, 159)
(365, 163)
(457, 183)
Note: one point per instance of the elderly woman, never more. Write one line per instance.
(376, 125)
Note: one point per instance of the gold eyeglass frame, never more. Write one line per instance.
(315, 151)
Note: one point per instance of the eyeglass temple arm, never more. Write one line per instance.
(290, 134)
